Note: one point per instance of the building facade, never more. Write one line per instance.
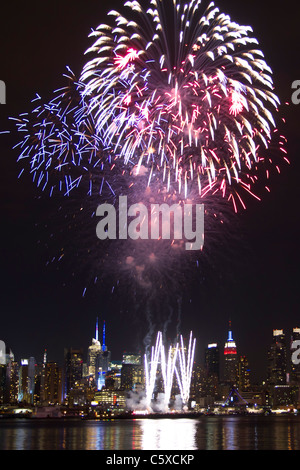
(230, 360)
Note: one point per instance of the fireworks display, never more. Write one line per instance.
(177, 363)
(186, 97)
(175, 104)
(197, 108)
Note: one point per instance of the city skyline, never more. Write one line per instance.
(252, 277)
(224, 351)
(167, 379)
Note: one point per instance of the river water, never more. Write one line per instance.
(204, 433)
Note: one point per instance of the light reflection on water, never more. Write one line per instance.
(207, 432)
(169, 434)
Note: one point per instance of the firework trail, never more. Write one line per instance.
(168, 368)
(185, 369)
(151, 369)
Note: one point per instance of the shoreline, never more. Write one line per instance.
(152, 416)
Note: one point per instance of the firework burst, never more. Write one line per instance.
(190, 98)
(175, 103)
(185, 98)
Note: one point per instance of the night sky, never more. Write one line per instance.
(254, 277)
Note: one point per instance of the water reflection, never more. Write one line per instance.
(205, 433)
(168, 434)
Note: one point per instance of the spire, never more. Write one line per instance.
(96, 337)
(103, 340)
(230, 346)
(230, 332)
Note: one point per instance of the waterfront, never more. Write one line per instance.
(204, 433)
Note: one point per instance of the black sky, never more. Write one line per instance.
(257, 286)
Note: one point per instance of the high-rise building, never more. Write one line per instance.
(212, 360)
(12, 382)
(2, 383)
(102, 365)
(53, 384)
(73, 362)
(23, 381)
(277, 359)
(93, 352)
(132, 376)
(243, 380)
(98, 359)
(27, 372)
(132, 372)
(6, 361)
(230, 359)
(31, 378)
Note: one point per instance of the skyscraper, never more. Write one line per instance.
(230, 359)
(93, 352)
(12, 382)
(277, 359)
(98, 359)
(53, 383)
(132, 372)
(23, 381)
(73, 362)
(212, 360)
(243, 381)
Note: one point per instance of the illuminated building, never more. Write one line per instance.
(212, 360)
(102, 362)
(8, 375)
(98, 360)
(132, 372)
(113, 377)
(93, 352)
(204, 386)
(31, 378)
(12, 382)
(2, 383)
(285, 395)
(111, 399)
(243, 381)
(132, 376)
(277, 359)
(53, 383)
(130, 358)
(23, 381)
(27, 380)
(230, 359)
(73, 362)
